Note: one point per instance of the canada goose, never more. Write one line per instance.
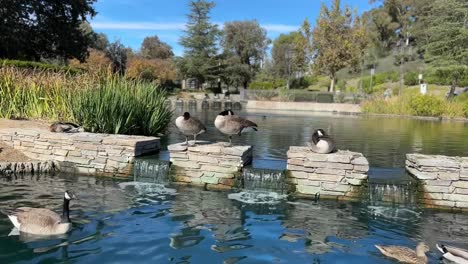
(456, 255)
(189, 126)
(41, 221)
(230, 124)
(322, 143)
(406, 255)
(62, 127)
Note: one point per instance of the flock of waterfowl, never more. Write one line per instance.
(42, 221)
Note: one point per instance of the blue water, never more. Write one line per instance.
(141, 225)
(127, 223)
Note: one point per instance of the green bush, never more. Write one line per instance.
(267, 85)
(411, 78)
(378, 79)
(38, 66)
(325, 98)
(445, 75)
(465, 110)
(427, 105)
(341, 85)
(303, 82)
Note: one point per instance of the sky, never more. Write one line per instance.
(130, 21)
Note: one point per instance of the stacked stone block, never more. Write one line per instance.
(213, 165)
(335, 174)
(443, 180)
(83, 153)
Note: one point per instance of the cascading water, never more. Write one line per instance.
(396, 188)
(261, 186)
(264, 180)
(151, 171)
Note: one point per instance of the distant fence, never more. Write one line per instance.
(301, 96)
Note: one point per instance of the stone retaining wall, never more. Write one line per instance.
(443, 180)
(84, 153)
(34, 167)
(334, 175)
(210, 164)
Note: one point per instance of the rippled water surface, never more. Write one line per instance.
(384, 141)
(142, 223)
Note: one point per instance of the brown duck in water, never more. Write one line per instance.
(406, 255)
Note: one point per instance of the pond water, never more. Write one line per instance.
(130, 223)
(384, 141)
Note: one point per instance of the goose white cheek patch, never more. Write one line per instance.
(67, 196)
(319, 133)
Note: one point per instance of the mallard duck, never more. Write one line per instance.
(189, 126)
(42, 221)
(322, 143)
(230, 124)
(65, 127)
(406, 255)
(454, 254)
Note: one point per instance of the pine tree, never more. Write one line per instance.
(200, 44)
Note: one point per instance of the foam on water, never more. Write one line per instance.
(397, 213)
(257, 197)
(145, 188)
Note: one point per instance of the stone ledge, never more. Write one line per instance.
(211, 164)
(332, 175)
(33, 167)
(442, 179)
(84, 153)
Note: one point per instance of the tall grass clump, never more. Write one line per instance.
(121, 106)
(101, 103)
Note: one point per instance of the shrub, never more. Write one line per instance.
(411, 78)
(465, 109)
(445, 75)
(341, 85)
(38, 66)
(427, 105)
(325, 98)
(266, 85)
(378, 79)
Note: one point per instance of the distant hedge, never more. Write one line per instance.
(38, 66)
(440, 76)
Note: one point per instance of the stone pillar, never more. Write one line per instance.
(209, 164)
(331, 175)
(443, 180)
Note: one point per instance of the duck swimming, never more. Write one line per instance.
(230, 124)
(42, 221)
(189, 126)
(322, 143)
(406, 255)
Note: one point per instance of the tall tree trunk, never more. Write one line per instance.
(332, 85)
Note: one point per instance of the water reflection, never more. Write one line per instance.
(384, 141)
(114, 224)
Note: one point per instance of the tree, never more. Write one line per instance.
(151, 69)
(33, 30)
(245, 43)
(199, 43)
(284, 57)
(100, 42)
(339, 40)
(154, 48)
(97, 62)
(117, 53)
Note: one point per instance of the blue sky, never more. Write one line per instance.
(131, 21)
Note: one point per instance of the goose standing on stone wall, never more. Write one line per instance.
(42, 221)
(406, 255)
(189, 126)
(230, 124)
(322, 143)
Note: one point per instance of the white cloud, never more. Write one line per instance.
(279, 28)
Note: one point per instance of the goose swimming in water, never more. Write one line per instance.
(42, 221)
(189, 126)
(322, 143)
(406, 255)
(65, 127)
(454, 254)
(230, 124)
